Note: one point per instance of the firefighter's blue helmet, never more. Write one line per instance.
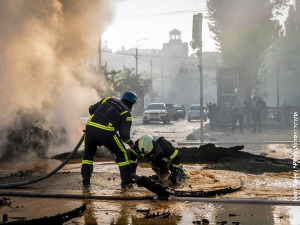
(130, 96)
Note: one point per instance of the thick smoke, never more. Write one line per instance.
(45, 45)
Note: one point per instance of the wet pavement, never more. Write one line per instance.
(106, 182)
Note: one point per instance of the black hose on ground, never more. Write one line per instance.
(76, 196)
(49, 174)
(152, 198)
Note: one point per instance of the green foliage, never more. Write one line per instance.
(243, 30)
(287, 51)
(126, 80)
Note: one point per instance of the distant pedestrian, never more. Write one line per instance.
(238, 113)
(256, 109)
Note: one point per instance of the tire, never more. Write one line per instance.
(146, 121)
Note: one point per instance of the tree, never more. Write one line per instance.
(243, 30)
(288, 53)
(127, 80)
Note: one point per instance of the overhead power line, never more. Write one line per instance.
(166, 13)
(152, 56)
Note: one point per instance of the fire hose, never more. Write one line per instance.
(146, 182)
(164, 193)
(153, 198)
(47, 175)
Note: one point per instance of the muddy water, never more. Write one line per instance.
(266, 186)
(102, 212)
(106, 181)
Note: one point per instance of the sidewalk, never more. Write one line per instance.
(225, 136)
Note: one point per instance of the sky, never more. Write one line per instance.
(147, 23)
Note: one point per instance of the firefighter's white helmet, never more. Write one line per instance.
(145, 144)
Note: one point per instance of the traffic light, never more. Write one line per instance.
(197, 31)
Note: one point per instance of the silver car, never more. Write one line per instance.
(156, 112)
(194, 112)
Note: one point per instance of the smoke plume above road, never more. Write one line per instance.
(45, 45)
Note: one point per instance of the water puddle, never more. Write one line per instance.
(187, 213)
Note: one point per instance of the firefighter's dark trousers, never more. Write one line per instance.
(97, 137)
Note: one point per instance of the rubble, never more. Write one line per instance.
(30, 133)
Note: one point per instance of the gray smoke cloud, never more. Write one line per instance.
(44, 44)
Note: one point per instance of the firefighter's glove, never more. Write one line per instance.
(178, 176)
(132, 145)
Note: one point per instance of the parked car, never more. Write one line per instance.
(159, 112)
(180, 110)
(194, 112)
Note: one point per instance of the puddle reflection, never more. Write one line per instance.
(128, 212)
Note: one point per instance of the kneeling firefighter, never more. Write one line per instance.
(107, 117)
(161, 155)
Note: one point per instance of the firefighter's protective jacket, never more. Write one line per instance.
(112, 115)
(163, 157)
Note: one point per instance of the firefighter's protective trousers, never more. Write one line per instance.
(97, 137)
(107, 117)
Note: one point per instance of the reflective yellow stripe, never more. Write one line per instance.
(174, 154)
(165, 159)
(133, 151)
(104, 100)
(123, 150)
(176, 165)
(128, 141)
(101, 126)
(128, 118)
(123, 112)
(98, 125)
(87, 162)
(91, 117)
(123, 163)
(133, 161)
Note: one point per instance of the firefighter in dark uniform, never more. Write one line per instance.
(107, 117)
(161, 155)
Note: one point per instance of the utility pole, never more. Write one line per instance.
(136, 59)
(151, 71)
(278, 73)
(199, 53)
(162, 83)
(137, 55)
(197, 44)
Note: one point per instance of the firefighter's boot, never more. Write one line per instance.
(126, 179)
(86, 173)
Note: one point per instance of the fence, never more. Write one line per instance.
(271, 117)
